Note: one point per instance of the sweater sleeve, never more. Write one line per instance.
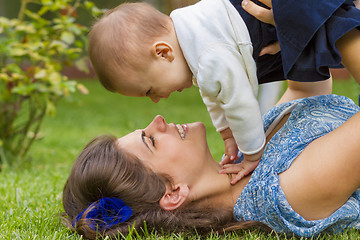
(229, 97)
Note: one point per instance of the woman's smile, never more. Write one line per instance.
(182, 129)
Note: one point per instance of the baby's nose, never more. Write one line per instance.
(155, 99)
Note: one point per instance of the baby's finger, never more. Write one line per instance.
(238, 177)
(230, 168)
(232, 165)
(233, 155)
(261, 13)
(225, 160)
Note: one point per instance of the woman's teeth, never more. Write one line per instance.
(181, 131)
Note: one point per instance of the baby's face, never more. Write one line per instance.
(158, 80)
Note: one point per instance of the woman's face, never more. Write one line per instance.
(180, 151)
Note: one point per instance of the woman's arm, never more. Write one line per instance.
(326, 173)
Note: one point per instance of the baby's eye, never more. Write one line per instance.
(152, 140)
(148, 92)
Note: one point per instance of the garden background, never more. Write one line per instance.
(31, 191)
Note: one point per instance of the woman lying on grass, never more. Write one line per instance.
(307, 181)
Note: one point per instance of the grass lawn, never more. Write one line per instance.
(30, 195)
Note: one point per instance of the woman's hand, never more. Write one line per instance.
(263, 14)
(272, 49)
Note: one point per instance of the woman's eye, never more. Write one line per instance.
(152, 140)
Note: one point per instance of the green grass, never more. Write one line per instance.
(30, 195)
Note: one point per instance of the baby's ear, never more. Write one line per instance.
(163, 50)
(174, 197)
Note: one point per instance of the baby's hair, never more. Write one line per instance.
(102, 170)
(120, 41)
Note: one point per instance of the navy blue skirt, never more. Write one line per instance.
(307, 31)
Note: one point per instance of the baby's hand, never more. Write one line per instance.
(261, 13)
(231, 151)
(242, 169)
(231, 148)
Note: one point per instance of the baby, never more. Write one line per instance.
(138, 51)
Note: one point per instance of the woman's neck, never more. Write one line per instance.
(215, 190)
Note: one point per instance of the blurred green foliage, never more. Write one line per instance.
(34, 48)
(11, 8)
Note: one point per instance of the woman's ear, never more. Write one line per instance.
(163, 50)
(174, 197)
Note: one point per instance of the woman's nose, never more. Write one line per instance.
(157, 124)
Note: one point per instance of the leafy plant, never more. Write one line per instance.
(34, 48)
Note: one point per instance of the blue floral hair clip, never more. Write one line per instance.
(106, 213)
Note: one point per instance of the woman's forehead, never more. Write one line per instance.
(132, 142)
(122, 140)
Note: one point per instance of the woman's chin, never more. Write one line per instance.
(197, 131)
(197, 126)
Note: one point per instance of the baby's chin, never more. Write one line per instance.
(189, 83)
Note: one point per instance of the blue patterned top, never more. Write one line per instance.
(263, 199)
